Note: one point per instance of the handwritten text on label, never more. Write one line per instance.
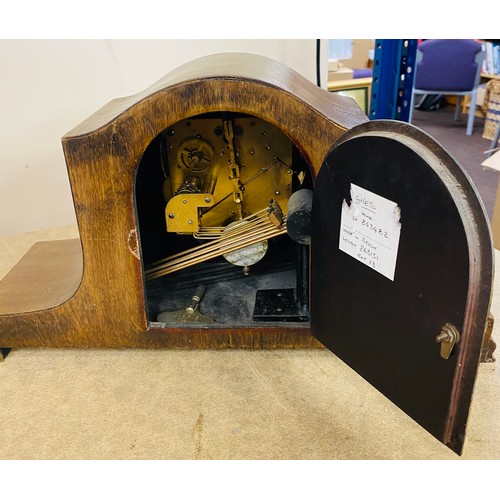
(370, 230)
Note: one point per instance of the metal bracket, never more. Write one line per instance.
(448, 337)
(182, 211)
(489, 345)
(278, 305)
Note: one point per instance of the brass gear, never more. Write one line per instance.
(195, 154)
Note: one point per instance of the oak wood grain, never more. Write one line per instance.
(47, 276)
(102, 156)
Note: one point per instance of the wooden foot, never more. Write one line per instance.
(3, 352)
(489, 344)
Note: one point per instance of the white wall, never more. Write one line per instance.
(49, 86)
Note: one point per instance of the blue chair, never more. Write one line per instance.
(449, 67)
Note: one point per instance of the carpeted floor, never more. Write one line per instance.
(467, 150)
(230, 404)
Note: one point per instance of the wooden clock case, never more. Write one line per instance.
(92, 292)
(100, 296)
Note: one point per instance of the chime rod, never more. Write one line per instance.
(216, 250)
(226, 232)
(171, 268)
(216, 253)
(229, 232)
(246, 239)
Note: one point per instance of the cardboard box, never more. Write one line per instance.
(360, 53)
(340, 74)
(481, 94)
(493, 163)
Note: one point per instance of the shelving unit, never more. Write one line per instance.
(491, 73)
(393, 73)
(491, 65)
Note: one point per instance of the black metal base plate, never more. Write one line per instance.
(278, 305)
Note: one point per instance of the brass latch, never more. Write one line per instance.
(448, 337)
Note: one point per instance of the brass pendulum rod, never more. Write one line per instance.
(234, 168)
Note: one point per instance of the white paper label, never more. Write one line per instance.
(370, 230)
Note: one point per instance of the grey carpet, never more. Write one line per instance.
(468, 151)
